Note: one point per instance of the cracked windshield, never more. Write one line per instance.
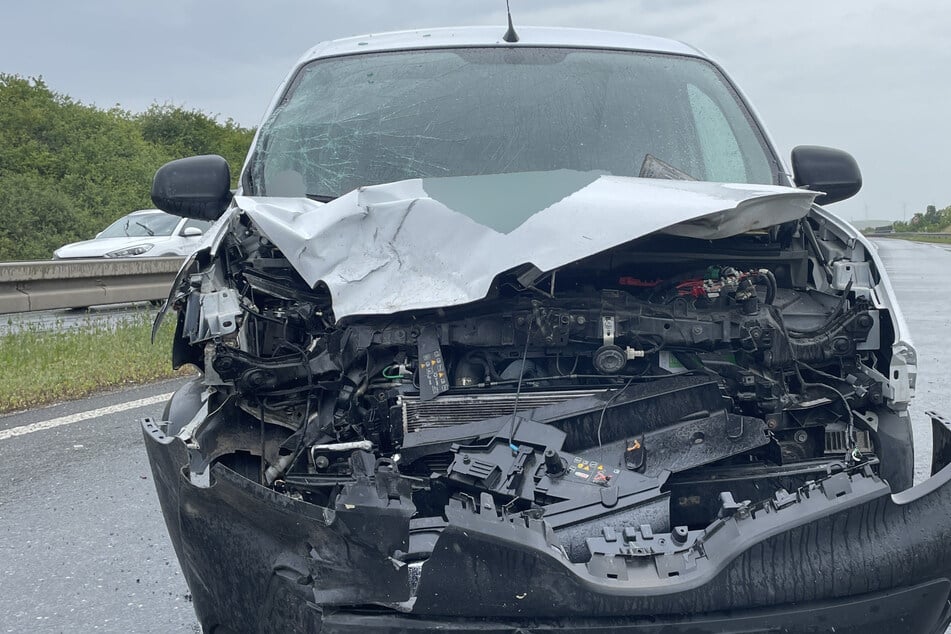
(376, 118)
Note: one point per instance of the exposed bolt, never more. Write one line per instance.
(840, 345)
(256, 378)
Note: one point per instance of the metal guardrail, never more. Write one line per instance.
(55, 284)
(908, 234)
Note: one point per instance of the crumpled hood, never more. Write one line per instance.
(440, 242)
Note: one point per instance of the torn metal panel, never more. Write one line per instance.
(396, 247)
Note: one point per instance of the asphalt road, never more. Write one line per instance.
(83, 545)
(921, 276)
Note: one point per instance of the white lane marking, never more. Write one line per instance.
(81, 416)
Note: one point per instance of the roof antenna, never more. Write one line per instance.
(510, 34)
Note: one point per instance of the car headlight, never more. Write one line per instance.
(138, 249)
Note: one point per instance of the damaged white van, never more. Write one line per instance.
(537, 333)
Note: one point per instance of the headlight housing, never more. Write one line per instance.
(138, 249)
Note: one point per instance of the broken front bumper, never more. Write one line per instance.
(842, 554)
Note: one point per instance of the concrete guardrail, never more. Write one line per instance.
(55, 284)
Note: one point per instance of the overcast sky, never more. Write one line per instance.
(867, 76)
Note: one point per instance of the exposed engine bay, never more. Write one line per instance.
(640, 390)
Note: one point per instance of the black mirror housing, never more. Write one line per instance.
(196, 187)
(826, 170)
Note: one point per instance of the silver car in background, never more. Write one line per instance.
(144, 233)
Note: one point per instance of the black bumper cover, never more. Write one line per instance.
(844, 557)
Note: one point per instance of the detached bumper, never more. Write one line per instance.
(843, 555)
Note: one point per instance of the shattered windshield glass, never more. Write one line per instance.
(377, 118)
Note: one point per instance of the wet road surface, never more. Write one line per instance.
(83, 546)
(921, 276)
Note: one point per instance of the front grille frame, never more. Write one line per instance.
(448, 410)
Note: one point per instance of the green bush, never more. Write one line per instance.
(934, 220)
(36, 216)
(67, 169)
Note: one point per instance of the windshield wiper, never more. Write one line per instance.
(653, 167)
(151, 233)
(321, 198)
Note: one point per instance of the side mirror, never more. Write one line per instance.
(191, 232)
(828, 170)
(196, 187)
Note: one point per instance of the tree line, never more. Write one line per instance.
(933, 220)
(68, 169)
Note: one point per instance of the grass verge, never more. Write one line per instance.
(39, 367)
